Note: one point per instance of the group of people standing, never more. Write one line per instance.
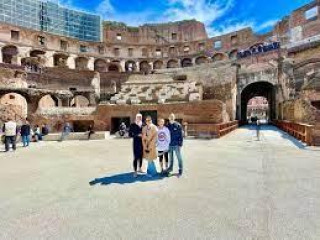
(151, 142)
(11, 130)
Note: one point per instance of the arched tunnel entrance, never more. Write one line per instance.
(258, 89)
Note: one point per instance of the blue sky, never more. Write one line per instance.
(219, 16)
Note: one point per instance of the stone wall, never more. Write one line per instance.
(203, 112)
(298, 110)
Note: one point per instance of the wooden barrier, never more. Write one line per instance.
(300, 131)
(209, 130)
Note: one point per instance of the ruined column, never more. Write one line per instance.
(49, 59)
(91, 63)
(71, 64)
(123, 65)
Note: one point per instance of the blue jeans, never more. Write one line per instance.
(152, 170)
(25, 140)
(177, 151)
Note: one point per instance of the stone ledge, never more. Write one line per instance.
(77, 136)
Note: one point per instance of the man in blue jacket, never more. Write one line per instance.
(176, 143)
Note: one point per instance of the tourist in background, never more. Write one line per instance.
(149, 142)
(135, 131)
(163, 144)
(176, 142)
(37, 133)
(25, 133)
(90, 131)
(44, 130)
(65, 131)
(258, 129)
(123, 129)
(10, 133)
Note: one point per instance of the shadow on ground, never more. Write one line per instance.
(284, 135)
(125, 178)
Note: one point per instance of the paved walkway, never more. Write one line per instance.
(233, 188)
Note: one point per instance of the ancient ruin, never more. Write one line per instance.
(54, 76)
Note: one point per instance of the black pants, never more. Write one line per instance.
(137, 162)
(165, 155)
(89, 134)
(10, 140)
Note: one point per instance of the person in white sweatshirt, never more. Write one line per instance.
(10, 133)
(163, 144)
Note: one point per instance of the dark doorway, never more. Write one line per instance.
(115, 123)
(82, 126)
(257, 89)
(316, 104)
(152, 114)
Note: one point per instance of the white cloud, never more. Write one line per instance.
(206, 11)
(265, 25)
(202, 10)
(228, 28)
(105, 8)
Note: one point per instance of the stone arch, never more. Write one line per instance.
(14, 106)
(130, 66)
(201, 60)
(233, 54)
(48, 101)
(37, 53)
(145, 67)
(158, 64)
(219, 57)
(60, 59)
(100, 65)
(79, 101)
(114, 67)
(306, 62)
(35, 61)
(81, 63)
(9, 54)
(257, 89)
(173, 63)
(186, 62)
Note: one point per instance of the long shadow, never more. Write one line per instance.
(125, 178)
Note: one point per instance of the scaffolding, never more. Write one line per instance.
(48, 16)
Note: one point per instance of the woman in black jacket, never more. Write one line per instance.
(136, 133)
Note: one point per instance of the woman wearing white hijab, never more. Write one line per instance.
(136, 133)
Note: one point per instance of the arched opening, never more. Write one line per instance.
(35, 62)
(157, 64)
(130, 66)
(60, 60)
(145, 67)
(201, 60)
(81, 63)
(15, 106)
(113, 67)
(48, 101)
(186, 62)
(173, 63)
(233, 54)
(79, 101)
(264, 90)
(9, 54)
(258, 108)
(37, 53)
(100, 65)
(219, 57)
